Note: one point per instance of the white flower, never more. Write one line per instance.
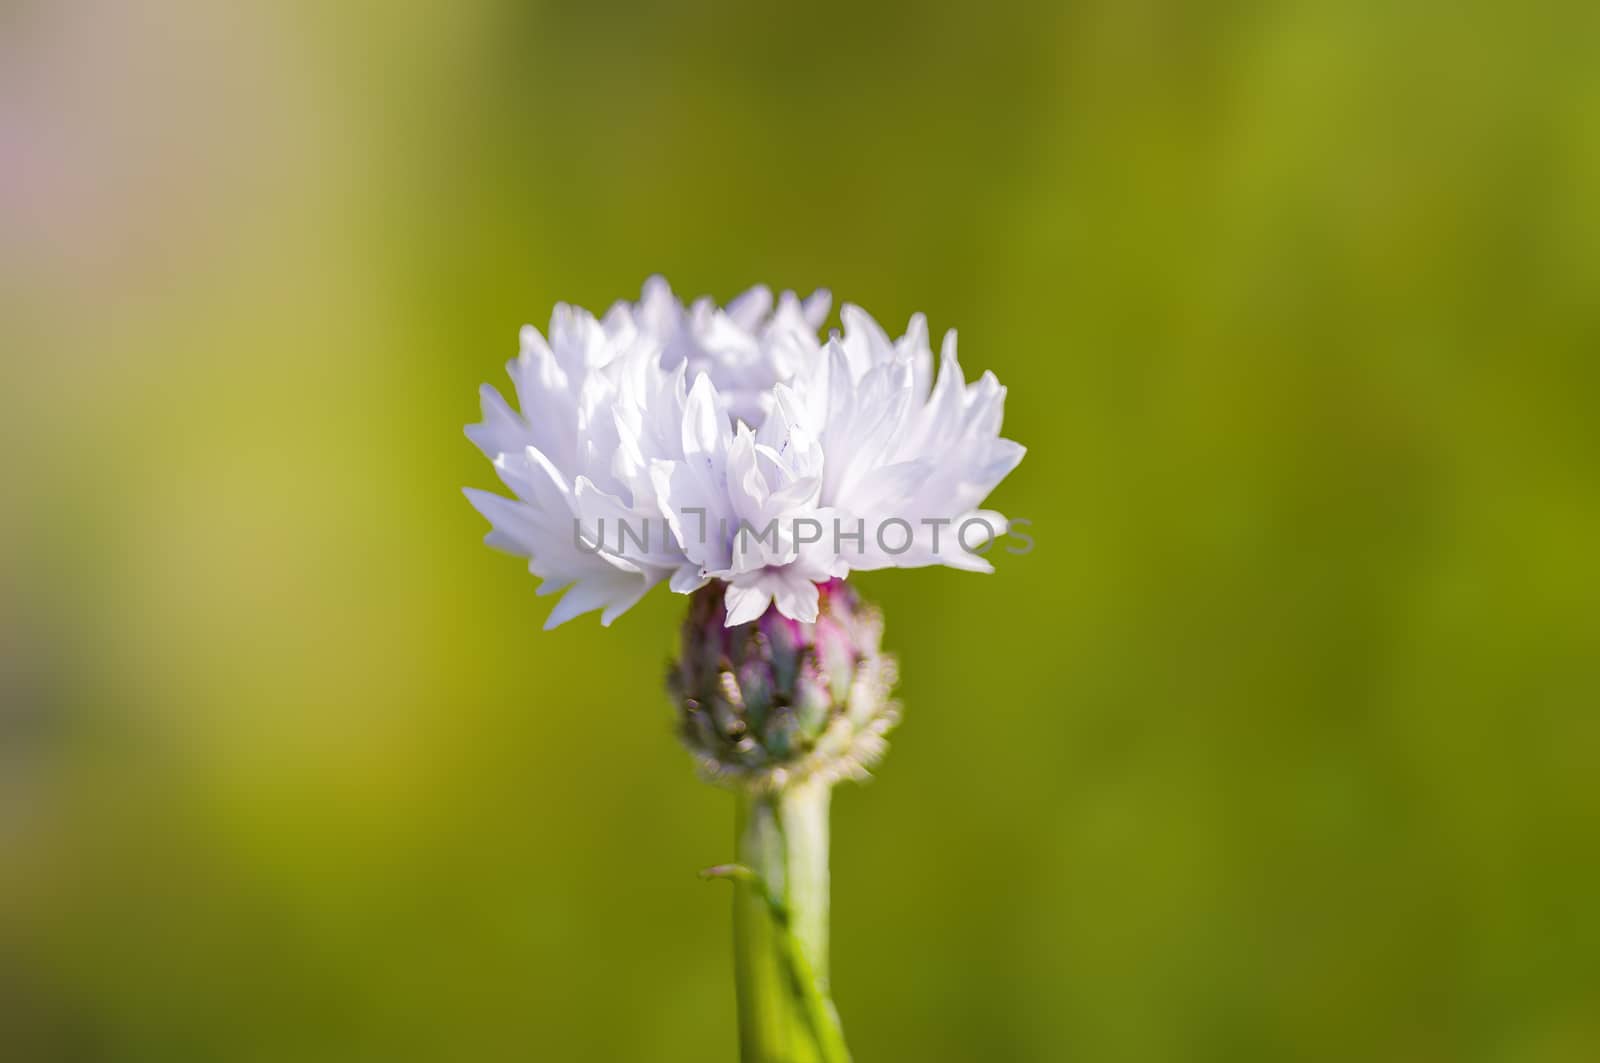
(692, 444)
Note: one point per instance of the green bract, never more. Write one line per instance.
(775, 702)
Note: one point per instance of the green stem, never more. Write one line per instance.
(780, 926)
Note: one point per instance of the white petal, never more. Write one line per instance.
(687, 579)
(705, 431)
(797, 600)
(589, 595)
(745, 604)
(513, 528)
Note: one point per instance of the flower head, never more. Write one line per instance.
(732, 445)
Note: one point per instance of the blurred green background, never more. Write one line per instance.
(1281, 745)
